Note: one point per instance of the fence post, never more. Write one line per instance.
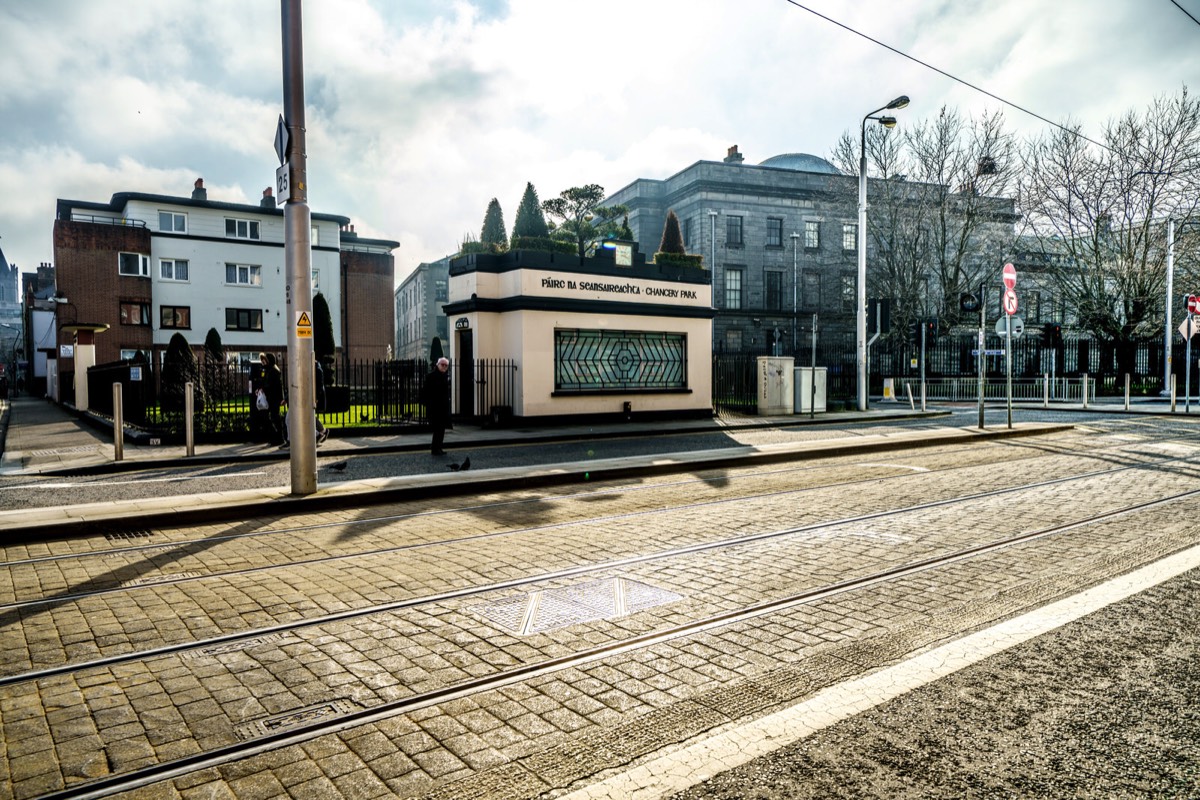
(189, 408)
(1172, 392)
(1045, 390)
(1126, 391)
(118, 422)
(1085, 390)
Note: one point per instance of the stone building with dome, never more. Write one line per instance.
(780, 238)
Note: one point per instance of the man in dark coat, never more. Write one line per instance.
(435, 394)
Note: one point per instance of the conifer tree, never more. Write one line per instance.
(179, 367)
(530, 220)
(323, 344)
(672, 239)
(492, 235)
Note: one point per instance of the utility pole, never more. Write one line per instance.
(297, 254)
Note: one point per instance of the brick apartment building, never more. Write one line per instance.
(148, 266)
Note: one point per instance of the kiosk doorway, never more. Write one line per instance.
(465, 356)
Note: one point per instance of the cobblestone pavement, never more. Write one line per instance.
(409, 610)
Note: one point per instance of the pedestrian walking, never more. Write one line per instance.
(319, 380)
(272, 388)
(435, 396)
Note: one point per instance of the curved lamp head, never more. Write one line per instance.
(887, 122)
(899, 102)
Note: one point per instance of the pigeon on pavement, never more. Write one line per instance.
(340, 466)
(465, 465)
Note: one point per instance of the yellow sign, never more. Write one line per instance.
(303, 325)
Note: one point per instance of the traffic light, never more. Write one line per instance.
(881, 310)
(931, 330)
(1052, 334)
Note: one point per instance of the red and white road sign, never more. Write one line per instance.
(1010, 278)
(1193, 304)
(1010, 302)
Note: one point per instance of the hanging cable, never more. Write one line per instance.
(948, 75)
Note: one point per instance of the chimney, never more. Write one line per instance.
(267, 200)
(733, 156)
(199, 193)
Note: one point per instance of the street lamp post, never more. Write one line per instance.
(712, 266)
(795, 290)
(860, 333)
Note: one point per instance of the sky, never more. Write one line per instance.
(418, 112)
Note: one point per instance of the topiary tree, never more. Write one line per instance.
(530, 221)
(214, 349)
(179, 367)
(583, 220)
(672, 239)
(626, 232)
(435, 350)
(323, 345)
(492, 234)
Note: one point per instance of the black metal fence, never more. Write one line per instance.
(363, 396)
(735, 385)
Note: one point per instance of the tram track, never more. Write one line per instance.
(181, 546)
(528, 580)
(306, 731)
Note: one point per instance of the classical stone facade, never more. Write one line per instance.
(780, 239)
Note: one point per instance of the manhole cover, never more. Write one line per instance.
(547, 610)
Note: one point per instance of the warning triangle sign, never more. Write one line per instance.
(303, 320)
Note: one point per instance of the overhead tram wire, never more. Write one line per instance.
(951, 77)
(1184, 10)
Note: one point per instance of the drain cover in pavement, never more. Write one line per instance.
(570, 605)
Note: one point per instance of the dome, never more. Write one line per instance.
(801, 162)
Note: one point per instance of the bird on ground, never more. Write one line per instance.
(340, 466)
(465, 465)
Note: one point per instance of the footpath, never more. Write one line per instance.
(38, 437)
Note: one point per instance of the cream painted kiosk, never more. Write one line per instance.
(608, 335)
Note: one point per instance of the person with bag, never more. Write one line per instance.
(272, 393)
(435, 396)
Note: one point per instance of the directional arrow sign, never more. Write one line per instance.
(1010, 302)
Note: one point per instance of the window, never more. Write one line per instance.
(773, 283)
(243, 274)
(243, 319)
(133, 264)
(810, 294)
(241, 228)
(129, 354)
(733, 288)
(135, 312)
(313, 238)
(812, 234)
(607, 360)
(733, 341)
(687, 232)
(440, 292)
(733, 231)
(848, 293)
(175, 317)
(774, 232)
(316, 281)
(171, 222)
(849, 236)
(173, 269)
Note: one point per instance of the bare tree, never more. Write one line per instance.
(938, 218)
(1100, 214)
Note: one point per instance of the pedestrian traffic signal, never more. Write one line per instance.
(879, 311)
(931, 330)
(1052, 334)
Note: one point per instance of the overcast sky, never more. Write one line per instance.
(419, 112)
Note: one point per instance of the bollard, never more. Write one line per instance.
(1085, 389)
(911, 405)
(118, 423)
(1172, 392)
(1126, 391)
(189, 408)
(1045, 390)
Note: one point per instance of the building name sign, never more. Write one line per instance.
(619, 288)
